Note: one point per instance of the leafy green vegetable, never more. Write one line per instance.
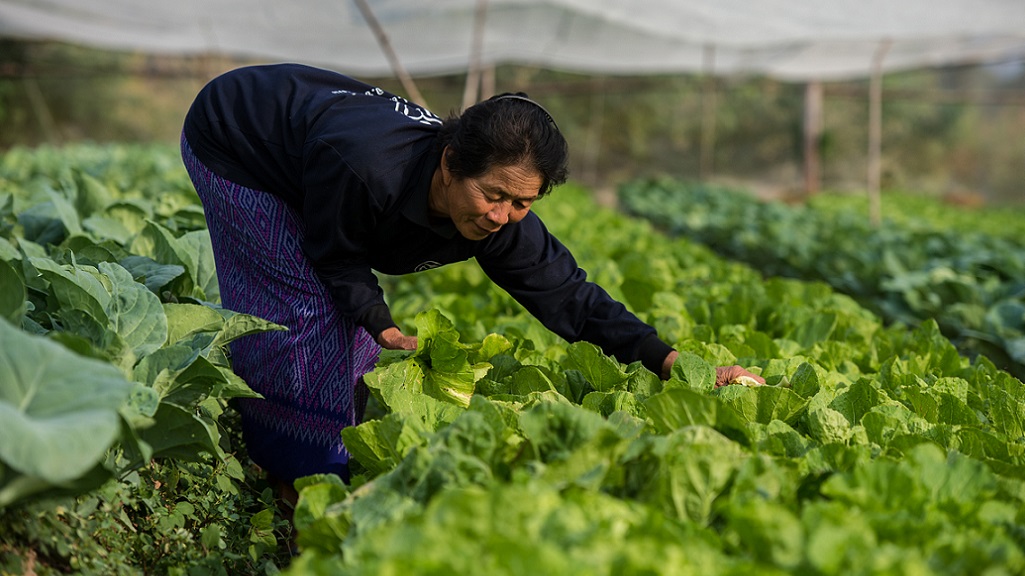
(60, 414)
(497, 446)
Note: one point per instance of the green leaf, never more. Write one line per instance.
(447, 372)
(763, 404)
(105, 227)
(814, 330)
(603, 372)
(184, 320)
(187, 379)
(76, 288)
(141, 406)
(92, 194)
(694, 467)
(828, 426)
(158, 243)
(954, 481)
(154, 275)
(676, 408)
(179, 433)
(400, 387)
(319, 522)
(606, 403)
(89, 252)
(530, 379)
(237, 325)
(695, 372)
(432, 324)
(368, 445)
(887, 421)
(1008, 414)
(210, 537)
(780, 439)
(66, 212)
(231, 385)
(983, 445)
(163, 364)
(198, 243)
(953, 410)
(131, 215)
(555, 430)
(838, 538)
(13, 294)
(134, 312)
(805, 381)
(768, 531)
(922, 403)
(857, 400)
(455, 382)
(42, 224)
(379, 445)
(1015, 349)
(493, 345)
(7, 250)
(59, 410)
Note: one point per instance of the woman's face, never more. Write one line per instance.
(480, 206)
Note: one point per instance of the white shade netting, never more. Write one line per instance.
(786, 39)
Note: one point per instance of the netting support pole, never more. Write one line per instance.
(595, 128)
(875, 133)
(708, 112)
(812, 136)
(382, 40)
(488, 82)
(41, 110)
(473, 72)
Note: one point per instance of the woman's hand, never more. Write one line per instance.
(393, 339)
(725, 375)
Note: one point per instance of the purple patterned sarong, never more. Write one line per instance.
(310, 376)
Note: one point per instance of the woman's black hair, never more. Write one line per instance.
(505, 130)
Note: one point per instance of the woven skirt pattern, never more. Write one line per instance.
(310, 375)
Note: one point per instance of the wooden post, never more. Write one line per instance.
(42, 111)
(473, 72)
(595, 128)
(812, 136)
(875, 133)
(488, 82)
(708, 112)
(382, 39)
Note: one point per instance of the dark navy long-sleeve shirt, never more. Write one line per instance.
(357, 162)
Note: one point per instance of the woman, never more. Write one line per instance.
(311, 180)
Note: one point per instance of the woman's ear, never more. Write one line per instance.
(446, 174)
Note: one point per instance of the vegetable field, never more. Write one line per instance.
(495, 448)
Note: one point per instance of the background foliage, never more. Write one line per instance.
(957, 132)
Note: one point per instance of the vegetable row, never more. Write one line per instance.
(963, 269)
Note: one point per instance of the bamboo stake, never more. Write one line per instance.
(382, 39)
